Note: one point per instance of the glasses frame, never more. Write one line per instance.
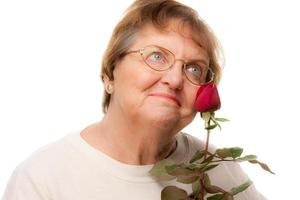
(141, 51)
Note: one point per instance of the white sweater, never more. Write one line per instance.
(71, 169)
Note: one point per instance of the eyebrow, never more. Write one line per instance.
(193, 60)
(197, 61)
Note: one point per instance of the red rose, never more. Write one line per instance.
(207, 98)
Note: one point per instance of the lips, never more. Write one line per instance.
(167, 97)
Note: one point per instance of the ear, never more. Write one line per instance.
(108, 84)
(105, 79)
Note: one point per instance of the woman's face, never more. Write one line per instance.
(164, 99)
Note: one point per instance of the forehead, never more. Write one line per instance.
(176, 37)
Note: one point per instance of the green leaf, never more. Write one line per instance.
(221, 119)
(240, 188)
(263, 165)
(211, 127)
(187, 179)
(216, 197)
(209, 167)
(216, 123)
(196, 186)
(170, 168)
(208, 159)
(197, 156)
(173, 193)
(206, 179)
(233, 152)
(247, 158)
(159, 171)
(191, 166)
(228, 197)
(178, 170)
(212, 189)
(219, 126)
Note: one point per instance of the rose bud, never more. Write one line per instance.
(207, 98)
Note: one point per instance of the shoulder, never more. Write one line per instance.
(195, 143)
(192, 140)
(47, 157)
(29, 179)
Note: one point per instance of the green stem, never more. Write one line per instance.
(207, 139)
(222, 160)
(207, 124)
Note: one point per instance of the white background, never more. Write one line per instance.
(50, 55)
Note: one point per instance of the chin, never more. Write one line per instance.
(164, 120)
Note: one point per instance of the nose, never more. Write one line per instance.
(173, 77)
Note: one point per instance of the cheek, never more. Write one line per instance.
(132, 80)
(142, 79)
(146, 77)
(188, 112)
(190, 96)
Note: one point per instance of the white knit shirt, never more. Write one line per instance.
(71, 169)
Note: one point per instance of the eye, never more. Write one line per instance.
(156, 57)
(194, 70)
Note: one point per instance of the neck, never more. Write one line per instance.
(136, 143)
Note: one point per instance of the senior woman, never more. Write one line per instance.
(158, 56)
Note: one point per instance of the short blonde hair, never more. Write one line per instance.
(158, 13)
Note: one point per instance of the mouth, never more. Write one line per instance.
(167, 97)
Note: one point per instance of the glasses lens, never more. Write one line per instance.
(161, 59)
(157, 58)
(198, 74)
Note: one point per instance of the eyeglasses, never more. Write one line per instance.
(161, 59)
